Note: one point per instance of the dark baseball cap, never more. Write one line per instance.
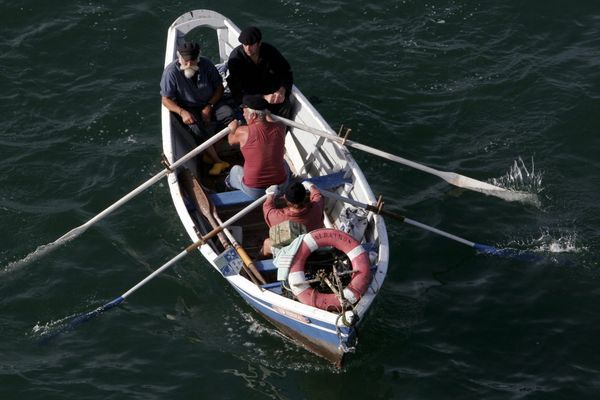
(255, 102)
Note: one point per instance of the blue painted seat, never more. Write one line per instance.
(237, 197)
(265, 265)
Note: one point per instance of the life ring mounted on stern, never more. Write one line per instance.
(361, 269)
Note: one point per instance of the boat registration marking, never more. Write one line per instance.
(291, 314)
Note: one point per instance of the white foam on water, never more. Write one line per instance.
(553, 242)
(567, 243)
(35, 255)
(41, 330)
(521, 178)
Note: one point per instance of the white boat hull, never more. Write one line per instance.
(318, 330)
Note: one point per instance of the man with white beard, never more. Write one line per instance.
(192, 90)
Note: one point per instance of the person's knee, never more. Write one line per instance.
(224, 114)
(266, 247)
(234, 179)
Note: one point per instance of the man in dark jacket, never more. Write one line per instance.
(256, 67)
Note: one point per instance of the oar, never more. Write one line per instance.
(73, 233)
(208, 210)
(247, 261)
(77, 320)
(483, 248)
(450, 177)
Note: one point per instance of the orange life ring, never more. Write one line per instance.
(361, 269)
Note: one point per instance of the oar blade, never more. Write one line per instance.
(79, 319)
(521, 255)
(487, 188)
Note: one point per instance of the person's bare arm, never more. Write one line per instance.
(239, 136)
(172, 106)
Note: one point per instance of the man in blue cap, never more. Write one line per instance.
(256, 67)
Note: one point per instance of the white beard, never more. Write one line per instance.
(190, 71)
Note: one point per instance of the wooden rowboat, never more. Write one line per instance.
(202, 203)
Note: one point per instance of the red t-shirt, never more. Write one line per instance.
(263, 155)
(310, 215)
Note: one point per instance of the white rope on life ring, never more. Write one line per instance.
(361, 269)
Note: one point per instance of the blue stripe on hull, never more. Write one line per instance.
(313, 331)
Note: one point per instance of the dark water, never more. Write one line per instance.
(467, 87)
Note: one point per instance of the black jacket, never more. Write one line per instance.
(271, 72)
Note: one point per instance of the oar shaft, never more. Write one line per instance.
(483, 248)
(395, 158)
(240, 214)
(158, 271)
(356, 145)
(114, 303)
(82, 228)
(439, 232)
(450, 177)
(198, 243)
(402, 218)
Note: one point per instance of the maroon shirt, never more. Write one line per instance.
(311, 214)
(263, 155)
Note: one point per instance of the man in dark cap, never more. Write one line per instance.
(304, 204)
(192, 88)
(262, 143)
(256, 67)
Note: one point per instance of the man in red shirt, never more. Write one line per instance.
(307, 210)
(262, 143)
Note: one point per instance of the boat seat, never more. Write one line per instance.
(237, 197)
(265, 265)
(274, 287)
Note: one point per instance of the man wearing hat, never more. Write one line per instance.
(262, 143)
(256, 67)
(304, 204)
(192, 88)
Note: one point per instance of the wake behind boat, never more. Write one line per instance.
(335, 273)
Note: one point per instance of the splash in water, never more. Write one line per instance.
(554, 242)
(48, 329)
(566, 243)
(43, 250)
(521, 178)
